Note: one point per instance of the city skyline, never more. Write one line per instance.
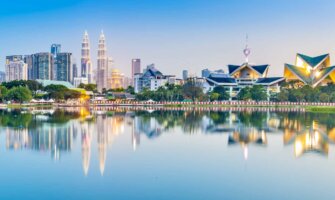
(195, 35)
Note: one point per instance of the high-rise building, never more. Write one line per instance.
(110, 66)
(2, 76)
(185, 74)
(205, 73)
(55, 49)
(86, 64)
(28, 59)
(16, 69)
(14, 58)
(74, 70)
(63, 67)
(102, 63)
(135, 67)
(42, 66)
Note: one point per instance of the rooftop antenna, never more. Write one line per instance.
(247, 50)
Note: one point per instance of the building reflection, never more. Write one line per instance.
(306, 138)
(243, 128)
(43, 132)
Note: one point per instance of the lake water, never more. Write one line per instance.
(166, 154)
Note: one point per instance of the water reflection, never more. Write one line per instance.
(55, 131)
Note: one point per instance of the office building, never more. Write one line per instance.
(102, 64)
(86, 64)
(63, 65)
(135, 67)
(42, 66)
(55, 49)
(185, 75)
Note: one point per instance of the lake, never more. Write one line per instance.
(122, 153)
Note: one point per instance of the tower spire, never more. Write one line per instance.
(247, 50)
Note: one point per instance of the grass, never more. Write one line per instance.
(320, 109)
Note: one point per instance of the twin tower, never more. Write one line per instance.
(102, 62)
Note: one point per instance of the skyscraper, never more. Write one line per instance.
(86, 64)
(135, 67)
(185, 74)
(28, 59)
(2, 76)
(42, 66)
(16, 69)
(102, 63)
(74, 70)
(64, 67)
(55, 49)
(110, 66)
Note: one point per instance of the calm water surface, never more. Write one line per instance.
(124, 154)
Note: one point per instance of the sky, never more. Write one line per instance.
(173, 34)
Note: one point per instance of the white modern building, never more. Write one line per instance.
(78, 80)
(151, 79)
(16, 69)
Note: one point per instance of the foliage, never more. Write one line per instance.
(244, 94)
(88, 87)
(191, 90)
(258, 93)
(130, 90)
(60, 92)
(169, 92)
(19, 94)
(222, 93)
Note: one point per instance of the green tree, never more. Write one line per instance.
(88, 87)
(296, 95)
(3, 92)
(130, 90)
(332, 97)
(258, 93)
(223, 94)
(324, 97)
(214, 96)
(244, 94)
(19, 94)
(283, 95)
(191, 90)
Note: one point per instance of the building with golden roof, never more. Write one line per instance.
(313, 71)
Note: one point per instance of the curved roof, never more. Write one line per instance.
(261, 69)
(313, 61)
(53, 82)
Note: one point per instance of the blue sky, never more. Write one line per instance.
(173, 34)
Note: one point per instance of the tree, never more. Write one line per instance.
(310, 94)
(88, 87)
(3, 92)
(19, 94)
(295, 95)
(332, 97)
(283, 95)
(214, 96)
(192, 91)
(324, 97)
(130, 90)
(244, 94)
(258, 93)
(223, 94)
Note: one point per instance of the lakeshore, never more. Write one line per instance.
(308, 107)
